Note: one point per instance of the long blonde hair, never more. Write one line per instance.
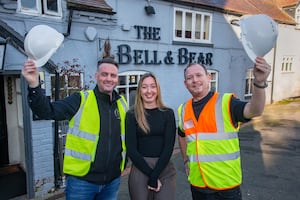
(140, 112)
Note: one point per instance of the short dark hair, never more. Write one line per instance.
(201, 65)
(108, 60)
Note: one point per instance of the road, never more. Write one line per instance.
(270, 155)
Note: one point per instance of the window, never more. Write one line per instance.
(40, 7)
(287, 64)
(214, 80)
(192, 26)
(68, 84)
(297, 17)
(128, 82)
(248, 83)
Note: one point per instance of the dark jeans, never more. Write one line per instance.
(232, 194)
(78, 189)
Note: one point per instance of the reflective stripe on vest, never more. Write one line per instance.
(214, 158)
(212, 149)
(78, 155)
(83, 135)
(123, 108)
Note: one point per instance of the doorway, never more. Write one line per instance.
(12, 146)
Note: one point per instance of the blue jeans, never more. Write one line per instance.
(77, 189)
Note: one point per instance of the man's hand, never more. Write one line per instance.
(31, 73)
(261, 70)
(187, 169)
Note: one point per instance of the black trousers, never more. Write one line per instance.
(231, 194)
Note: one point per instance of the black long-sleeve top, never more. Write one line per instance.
(159, 142)
(106, 165)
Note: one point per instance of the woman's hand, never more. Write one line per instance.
(158, 186)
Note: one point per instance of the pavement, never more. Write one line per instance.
(270, 155)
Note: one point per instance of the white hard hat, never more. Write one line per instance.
(258, 34)
(41, 43)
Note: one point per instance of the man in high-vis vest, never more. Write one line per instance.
(207, 132)
(95, 149)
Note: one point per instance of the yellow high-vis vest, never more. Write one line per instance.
(212, 144)
(83, 135)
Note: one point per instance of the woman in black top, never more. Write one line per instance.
(150, 137)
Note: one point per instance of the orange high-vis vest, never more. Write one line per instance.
(212, 144)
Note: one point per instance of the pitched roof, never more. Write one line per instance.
(242, 7)
(99, 6)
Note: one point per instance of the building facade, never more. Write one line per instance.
(158, 36)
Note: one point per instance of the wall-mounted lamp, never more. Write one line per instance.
(2, 53)
(149, 10)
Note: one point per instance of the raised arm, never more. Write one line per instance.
(255, 106)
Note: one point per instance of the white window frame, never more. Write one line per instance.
(214, 80)
(66, 86)
(127, 86)
(248, 83)
(297, 17)
(183, 25)
(40, 8)
(287, 64)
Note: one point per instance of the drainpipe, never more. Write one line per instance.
(273, 72)
(57, 162)
(69, 23)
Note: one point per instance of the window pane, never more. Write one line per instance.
(206, 27)
(28, 4)
(198, 26)
(213, 86)
(188, 25)
(213, 76)
(132, 94)
(247, 86)
(122, 80)
(74, 81)
(248, 83)
(178, 24)
(133, 80)
(62, 81)
(52, 5)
